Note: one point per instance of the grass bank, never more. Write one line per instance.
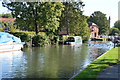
(109, 58)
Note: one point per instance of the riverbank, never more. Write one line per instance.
(107, 59)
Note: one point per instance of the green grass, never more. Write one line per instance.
(91, 72)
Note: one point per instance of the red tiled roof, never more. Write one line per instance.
(6, 19)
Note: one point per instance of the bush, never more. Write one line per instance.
(118, 45)
(7, 26)
(86, 38)
(40, 40)
(23, 35)
(37, 40)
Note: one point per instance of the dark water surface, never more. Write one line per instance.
(50, 62)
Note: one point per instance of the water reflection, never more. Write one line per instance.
(49, 62)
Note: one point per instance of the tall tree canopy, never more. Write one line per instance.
(117, 24)
(34, 15)
(49, 15)
(74, 20)
(100, 19)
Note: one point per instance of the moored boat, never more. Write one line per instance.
(9, 42)
(75, 40)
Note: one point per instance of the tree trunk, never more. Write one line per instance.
(36, 25)
(36, 28)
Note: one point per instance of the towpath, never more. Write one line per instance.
(110, 73)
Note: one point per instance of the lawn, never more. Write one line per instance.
(109, 58)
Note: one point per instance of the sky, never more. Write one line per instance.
(108, 7)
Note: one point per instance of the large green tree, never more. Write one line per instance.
(70, 16)
(117, 24)
(100, 19)
(34, 15)
(73, 19)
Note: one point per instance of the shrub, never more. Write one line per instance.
(40, 40)
(118, 45)
(85, 38)
(23, 35)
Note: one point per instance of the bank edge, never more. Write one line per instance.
(91, 72)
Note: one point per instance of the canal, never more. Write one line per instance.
(62, 61)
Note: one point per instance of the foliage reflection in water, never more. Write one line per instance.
(50, 62)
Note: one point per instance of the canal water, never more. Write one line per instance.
(62, 61)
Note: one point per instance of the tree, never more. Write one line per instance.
(100, 19)
(74, 20)
(114, 31)
(70, 16)
(117, 24)
(34, 15)
(84, 29)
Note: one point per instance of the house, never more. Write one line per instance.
(94, 29)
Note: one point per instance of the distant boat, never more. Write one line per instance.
(8, 42)
(75, 40)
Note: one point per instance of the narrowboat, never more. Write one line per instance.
(74, 40)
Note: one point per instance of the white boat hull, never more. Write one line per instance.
(73, 43)
(76, 40)
(4, 47)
